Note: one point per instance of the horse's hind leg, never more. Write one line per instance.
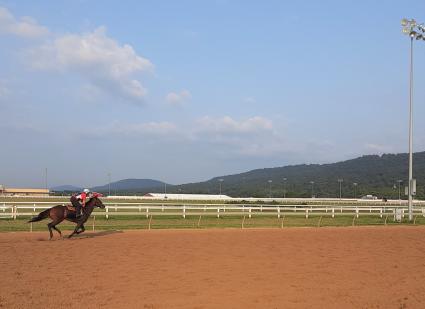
(49, 225)
(52, 225)
(57, 230)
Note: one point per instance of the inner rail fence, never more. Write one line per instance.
(16, 210)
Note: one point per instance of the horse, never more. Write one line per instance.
(59, 213)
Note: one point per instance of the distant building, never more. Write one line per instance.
(4, 191)
(369, 197)
(199, 197)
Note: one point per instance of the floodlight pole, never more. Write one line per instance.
(109, 184)
(410, 207)
(399, 195)
(45, 179)
(270, 188)
(355, 189)
(415, 31)
(340, 190)
(312, 188)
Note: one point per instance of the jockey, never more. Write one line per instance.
(79, 200)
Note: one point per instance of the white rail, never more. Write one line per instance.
(25, 209)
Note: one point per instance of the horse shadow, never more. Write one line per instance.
(96, 234)
(84, 235)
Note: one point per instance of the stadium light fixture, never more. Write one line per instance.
(411, 28)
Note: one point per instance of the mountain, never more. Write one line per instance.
(66, 188)
(128, 186)
(373, 174)
(377, 175)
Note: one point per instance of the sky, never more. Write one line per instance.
(182, 91)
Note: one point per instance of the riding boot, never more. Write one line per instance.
(78, 211)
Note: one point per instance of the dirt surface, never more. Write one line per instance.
(369, 267)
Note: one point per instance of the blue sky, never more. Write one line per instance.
(183, 91)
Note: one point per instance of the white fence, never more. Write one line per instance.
(25, 209)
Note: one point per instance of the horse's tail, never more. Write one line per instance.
(42, 215)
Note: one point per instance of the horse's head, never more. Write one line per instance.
(97, 201)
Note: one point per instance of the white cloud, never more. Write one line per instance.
(4, 91)
(155, 129)
(228, 125)
(377, 148)
(25, 27)
(249, 100)
(180, 98)
(97, 57)
(252, 137)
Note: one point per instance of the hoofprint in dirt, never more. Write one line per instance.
(360, 267)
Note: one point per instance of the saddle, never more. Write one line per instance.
(70, 207)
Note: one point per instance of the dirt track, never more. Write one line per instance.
(372, 267)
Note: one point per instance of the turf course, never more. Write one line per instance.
(203, 222)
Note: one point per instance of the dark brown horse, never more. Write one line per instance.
(59, 213)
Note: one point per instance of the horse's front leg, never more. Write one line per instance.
(82, 229)
(79, 225)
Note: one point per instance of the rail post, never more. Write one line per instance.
(333, 212)
(380, 213)
(218, 212)
(278, 212)
(150, 221)
(320, 221)
(184, 211)
(106, 213)
(249, 216)
(14, 210)
(306, 213)
(147, 212)
(94, 220)
(34, 207)
(357, 212)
